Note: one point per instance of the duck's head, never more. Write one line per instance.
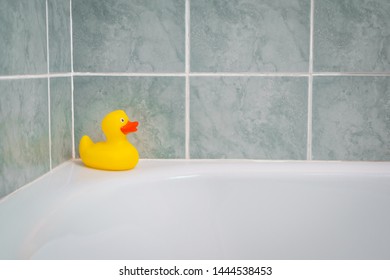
(116, 125)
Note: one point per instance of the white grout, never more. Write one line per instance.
(311, 54)
(130, 74)
(187, 38)
(187, 75)
(48, 84)
(249, 74)
(35, 76)
(197, 74)
(309, 155)
(355, 74)
(71, 79)
(59, 75)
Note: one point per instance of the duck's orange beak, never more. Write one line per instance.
(129, 127)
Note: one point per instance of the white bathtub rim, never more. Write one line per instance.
(189, 166)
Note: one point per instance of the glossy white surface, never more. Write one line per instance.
(172, 209)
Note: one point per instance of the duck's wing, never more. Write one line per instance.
(85, 144)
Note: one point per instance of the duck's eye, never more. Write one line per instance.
(122, 120)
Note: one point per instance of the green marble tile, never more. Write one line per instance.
(250, 118)
(60, 120)
(157, 103)
(59, 35)
(250, 35)
(24, 141)
(128, 35)
(23, 37)
(351, 118)
(352, 36)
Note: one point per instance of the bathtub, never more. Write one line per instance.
(178, 209)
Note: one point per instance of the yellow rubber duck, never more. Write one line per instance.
(117, 153)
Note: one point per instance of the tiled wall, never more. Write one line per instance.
(35, 89)
(287, 79)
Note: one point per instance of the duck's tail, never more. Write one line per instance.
(85, 144)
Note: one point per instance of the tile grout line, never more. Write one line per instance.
(48, 83)
(71, 80)
(35, 76)
(351, 74)
(309, 151)
(187, 81)
(248, 74)
(197, 74)
(129, 74)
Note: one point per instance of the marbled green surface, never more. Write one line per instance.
(252, 118)
(60, 120)
(22, 37)
(351, 118)
(128, 35)
(24, 141)
(352, 36)
(59, 35)
(157, 103)
(250, 35)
